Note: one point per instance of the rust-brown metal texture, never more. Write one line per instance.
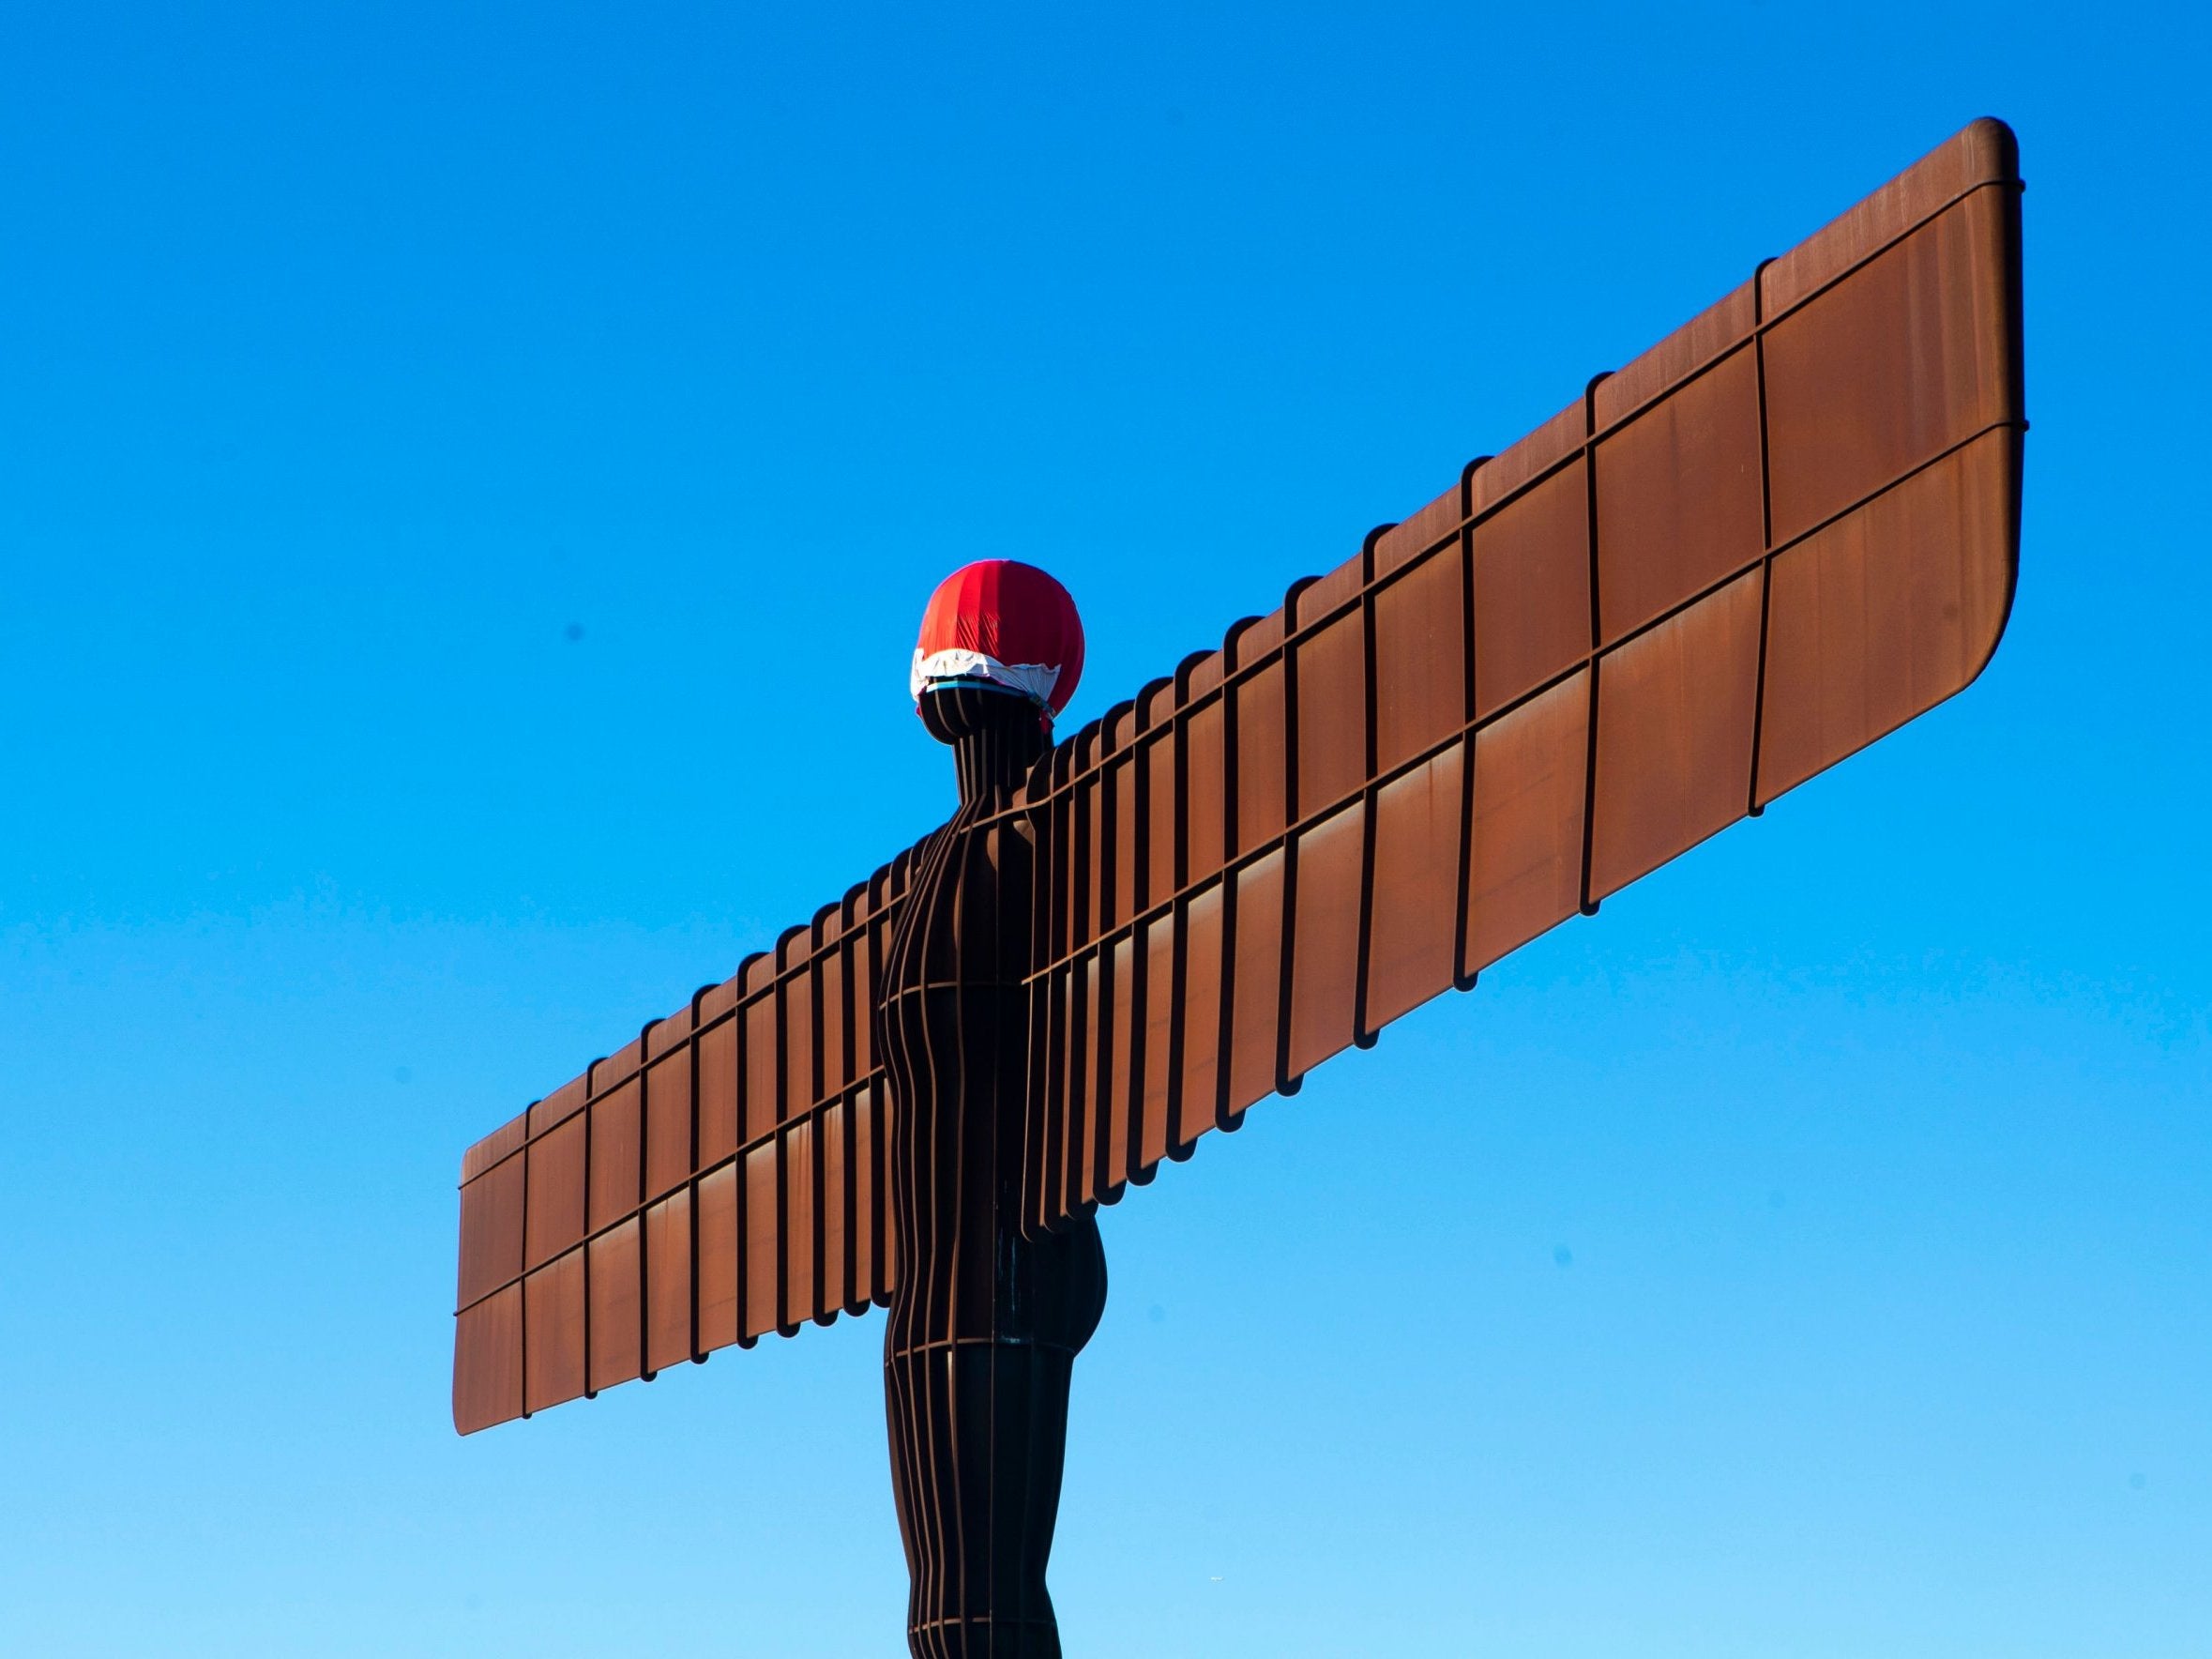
(718, 1178)
(1779, 534)
(981, 1345)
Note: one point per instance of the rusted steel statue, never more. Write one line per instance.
(984, 1330)
(1784, 532)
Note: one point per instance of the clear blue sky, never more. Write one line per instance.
(1810, 1257)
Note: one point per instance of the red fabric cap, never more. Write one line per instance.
(1005, 622)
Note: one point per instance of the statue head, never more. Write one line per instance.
(1005, 630)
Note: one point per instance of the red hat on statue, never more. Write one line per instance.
(1004, 624)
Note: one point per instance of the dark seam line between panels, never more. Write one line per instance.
(1751, 806)
(1107, 889)
(1596, 654)
(691, 1189)
(1293, 635)
(1171, 1127)
(1138, 780)
(584, 1267)
(1048, 1047)
(1462, 901)
(1232, 828)
(638, 1208)
(1287, 939)
(1306, 821)
(1371, 810)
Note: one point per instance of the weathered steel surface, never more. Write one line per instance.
(721, 1178)
(979, 1348)
(1778, 534)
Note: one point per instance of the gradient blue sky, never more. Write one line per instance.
(1810, 1257)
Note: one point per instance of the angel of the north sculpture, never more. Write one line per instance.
(1785, 530)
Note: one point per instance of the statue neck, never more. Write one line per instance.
(995, 739)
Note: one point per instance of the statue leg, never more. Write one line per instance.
(978, 1432)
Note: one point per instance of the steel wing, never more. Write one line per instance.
(1783, 532)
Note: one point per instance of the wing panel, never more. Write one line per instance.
(1675, 711)
(1678, 496)
(1525, 857)
(669, 1336)
(614, 1295)
(718, 1178)
(1324, 923)
(488, 1360)
(1781, 532)
(553, 1332)
(1420, 841)
(1885, 613)
(1532, 585)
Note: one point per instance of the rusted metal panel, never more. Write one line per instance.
(616, 1068)
(491, 1230)
(1419, 856)
(1421, 660)
(1121, 1081)
(1157, 950)
(1256, 993)
(565, 1101)
(1981, 153)
(761, 1273)
(1206, 782)
(1885, 613)
(800, 1056)
(1532, 586)
(799, 1226)
(1200, 1093)
(669, 1156)
(1675, 711)
(717, 1259)
(1121, 790)
(1893, 365)
(1329, 667)
(1261, 758)
(718, 1092)
(836, 1291)
(508, 1139)
(1401, 543)
(762, 1047)
(555, 1191)
(618, 1143)
(1704, 340)
(669, 1336)
(488, 1361)
(1324, 939)
(553, 1332)
(834, 1018)
(614, 1278)
(1163, 810)
(869, 1279)
(1678, 496)
(1525, 854)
